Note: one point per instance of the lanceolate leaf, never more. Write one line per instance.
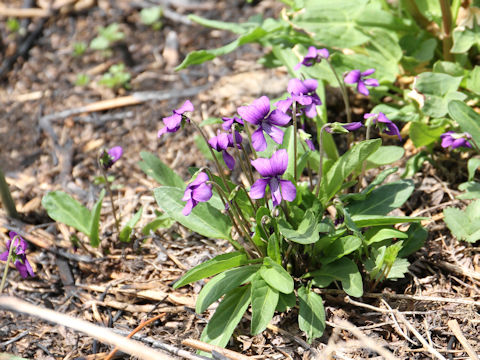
(63, 208)
(264, 302)
(204, 219)
(226, 317)
(95, 221)
(126, 232)
(376, 220)
(311, 315)
(212, 267)
(223, 283)
(154, 167)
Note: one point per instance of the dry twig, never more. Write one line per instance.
(200, 345)
(453, 325)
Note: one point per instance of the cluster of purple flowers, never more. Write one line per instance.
(18, 254)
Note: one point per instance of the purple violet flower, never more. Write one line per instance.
(358, 77)
(197, 191)
(228, 122)
(455, 140)
(19, 255)
(111, 156)
(174, 122)
(348, 126)
(222, 142)
(271, 170)
(258, 113)
(304, 93)
(313, 56)
(384, 124)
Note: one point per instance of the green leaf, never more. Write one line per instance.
(383, 199)
(344, 270)
(63, 208)
(99, 43)
(200, 56)
(221, 25)
(204, 218)
(95, 221)
(398, 269)
(472, 190)
(464, 225)
(375, 234)
(415, 163)
(151, 15)
(162, 221)
(437, 83)
(417, 235)
(473, 80)
(222, 284)
(155, 168)
(341, 247)
(286, 301)
(311, 315)
(344, 166)
(308, 231)
(447, 67)
(473, 164)
(212, 267)
(227, 316)
(385, 155)
(276, 276)
(126, 232)
(423, 134)
(464, 39)
(273, 249)
(378, 220)
(264, 302)
(466, 117)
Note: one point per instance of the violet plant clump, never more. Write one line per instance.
(284, 242)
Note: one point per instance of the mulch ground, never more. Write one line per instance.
(44, 149)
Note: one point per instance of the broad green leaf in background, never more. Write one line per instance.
(471, 190)
(222, 284)
(423, 134)
(154, 167)
(311, 314)
(398, 269)
(126, 232)
(464, 39)
(447, 67)
(464, 225)
(204, 218)
(264, 302)
(415, 163)
(94, 222)
(377, 234)
(308, 231)
(286, 301)
(473, 164)
(383, 199)
(276, 276)
(385, 155)
(227, 316)
(63, 208)
(212, 267)
(466, 117)
(473, 80)
(341, 247)
(378, 220)
(162, 221)
(344, 166)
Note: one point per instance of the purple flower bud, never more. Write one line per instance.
(19, 256)
(228, 122)
(174, 122)
(358, 77)
(384, 124)
(455, 140)
(313, 56)
(337, 127)
(197, 191)
(111, 156)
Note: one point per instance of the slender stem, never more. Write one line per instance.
(240, 160)
(250, 140)
(343, 89)
(110, 195)
(294, 117)
(5, 272)
(6, 197)
(249, 167)
(447, 41)
(309, 170)
(320, 167)
(249, 199)
(217, 164)
(285, 211)
(412, 8)
(364, 165)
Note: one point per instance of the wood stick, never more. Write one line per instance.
(200, 345)
(460, 270)
(23, 13)
(102, 334)
(453, 325)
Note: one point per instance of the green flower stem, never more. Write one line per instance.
(250, 140)
(447, 40)
(234, 221)
(6, 197)
(5, 272)
(309, 170)
(217, 164)
(240, 160)
(249, 199)
(248, 166)
(343, 89)
(364, 165)
(320, 168)
(294, 117)
(110, 195)
(411, 7)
